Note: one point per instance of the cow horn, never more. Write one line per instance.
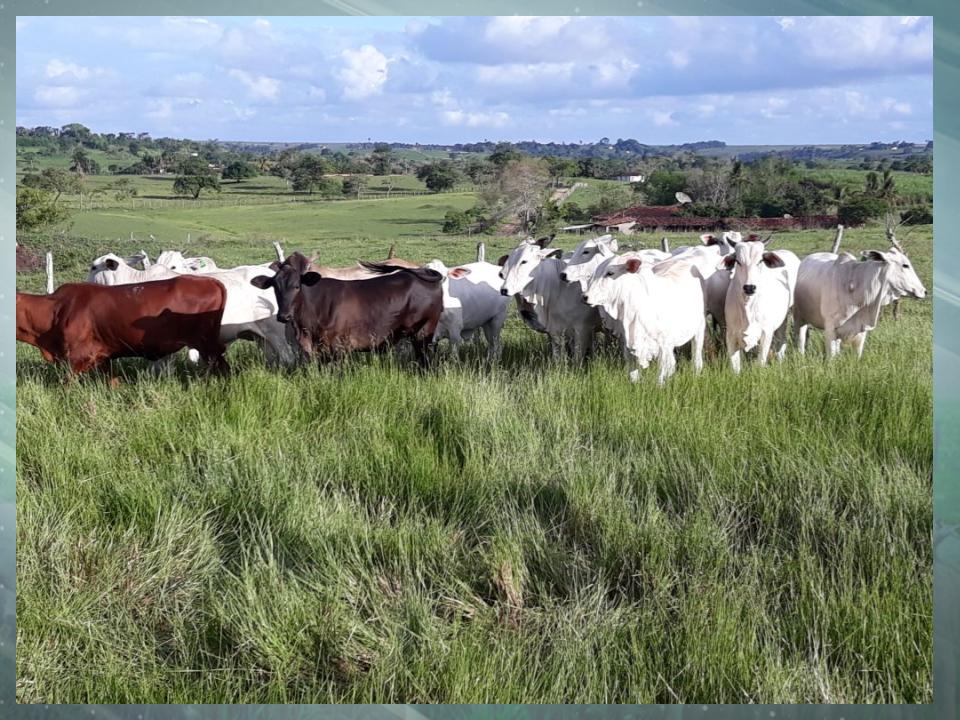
(767, 238)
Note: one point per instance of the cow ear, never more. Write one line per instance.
(275, 265)
(874, 255)
(544, 241)
(632, 265)
(310, 279)
(753, 237)
(708, 239)
(459, 272)
(262, 281)
(503, 260)
(727, 262)
(112, 264)
(555, 253)
(772, 260)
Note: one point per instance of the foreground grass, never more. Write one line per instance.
(525, 533)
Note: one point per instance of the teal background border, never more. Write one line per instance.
(946, 299)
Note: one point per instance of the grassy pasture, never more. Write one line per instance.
(524, 533)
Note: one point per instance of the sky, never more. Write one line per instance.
(659, 80)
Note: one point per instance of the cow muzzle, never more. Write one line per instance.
(283, 317)
(563, 276)
(749, 289)
(503, 291)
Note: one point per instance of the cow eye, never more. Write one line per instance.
(907, 265)
(523, 262)
(610, 274)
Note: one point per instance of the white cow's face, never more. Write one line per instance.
(901, 276)
(602, 287)
(173, 259)
(751, 263)
(586, 257)
(520, 265)
(103, 269)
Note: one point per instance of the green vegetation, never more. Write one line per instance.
(524, 533)
(530, 532)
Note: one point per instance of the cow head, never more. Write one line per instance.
(286, 282)
(750, 262)
(602, 286)
(103, 270)
(902, 279)
(586, 257)
(520, 265)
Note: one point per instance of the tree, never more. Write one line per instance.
(81, 163)
(662, 186)
(381, 159)
(354, 185)
(560, 167)
(55, 180)
(861, 209)
(36, 209)
(523, 186)
(504, 154)
(193, 185)
(124, 189)
(308, 173)
(439, 175)
(237, 171)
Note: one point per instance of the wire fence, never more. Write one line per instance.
(84, 204)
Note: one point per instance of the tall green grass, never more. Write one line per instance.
(530, 532)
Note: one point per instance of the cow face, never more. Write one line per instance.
(902, 279)
(601, 288)
(520, 264)
(103, 269)
(750, 263)
(586, 257)
(289, 277)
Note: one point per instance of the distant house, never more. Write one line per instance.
(631, 178)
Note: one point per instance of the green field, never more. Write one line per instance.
(530, 532)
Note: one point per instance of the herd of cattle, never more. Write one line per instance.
(652, 301)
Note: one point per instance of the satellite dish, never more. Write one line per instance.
(787, 216)
(682, 198)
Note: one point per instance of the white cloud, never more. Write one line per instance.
(678, 58)
(893, 105)
(317, 93)
(475, 119)
(527, 29)
(786, 23)
(662, 118)
(259, 86)
(57, 95)
(536, 74)
(58, 68)
(364, 72)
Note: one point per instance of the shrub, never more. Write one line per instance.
(860, 209)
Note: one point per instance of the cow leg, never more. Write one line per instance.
(896, 310)
(780, 340)
(733, 352)
(858, 342)
(491, 331)
(556, 346)
(696, 349)
(800, 335)
(830, 341)
(456, 338)
(668, 365)
(766, 340)
(421, 347)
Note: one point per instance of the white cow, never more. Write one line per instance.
(533, 273)
(250, 313)
(588, 254)
(843, 297)
(758, 301)
(656, 307)
(471, 301)
(175, 260)
(713, 280)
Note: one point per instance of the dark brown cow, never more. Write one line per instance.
(85, 325)
(331, 317)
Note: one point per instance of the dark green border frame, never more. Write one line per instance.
(946, 298)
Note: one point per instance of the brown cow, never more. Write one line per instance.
(85, 325)
(331, 317)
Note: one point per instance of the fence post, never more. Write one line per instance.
(276, 246)
(837, 239)
(665, 244)
(481, 251)
(49, 273)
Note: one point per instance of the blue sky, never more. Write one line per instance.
(765, 80)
